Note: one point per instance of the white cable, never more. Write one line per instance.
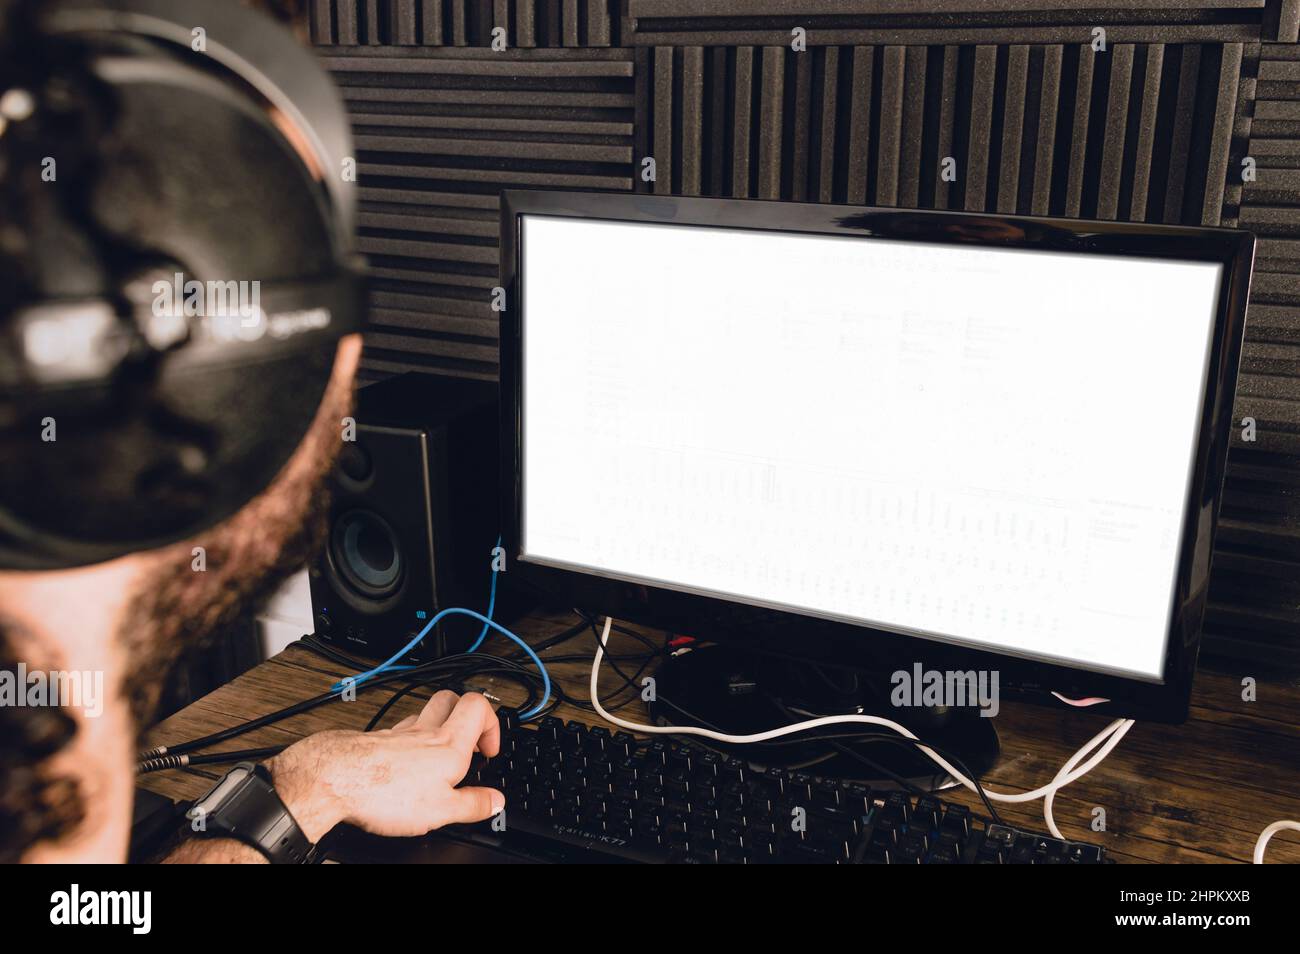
(1080, 703)
(1268, 833)
(1111, 736)
(1062, 779)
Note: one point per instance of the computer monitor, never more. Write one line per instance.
(875, 438)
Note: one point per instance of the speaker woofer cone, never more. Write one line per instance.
(367, 553)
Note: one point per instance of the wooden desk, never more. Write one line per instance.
(1200, 792)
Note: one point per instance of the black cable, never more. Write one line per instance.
(165, 762)
(215, 738)
(616, 628)
(792, 740)
(865, 737)
(551, 641)
(524, 676)
(830, 683)
(222, 735)
(313, 644)
(628, 681)
(476, 664)
(392, 701)
(539, 648)
(574, 630)
(609, 704)
(893, 738)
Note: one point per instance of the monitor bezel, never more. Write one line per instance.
(842, 644)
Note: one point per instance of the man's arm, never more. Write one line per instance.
(398, 782)
(214, 851)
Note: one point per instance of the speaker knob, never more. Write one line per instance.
(355, 463)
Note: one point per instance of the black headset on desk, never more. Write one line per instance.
(177, 266)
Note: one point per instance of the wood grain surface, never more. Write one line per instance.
(1199, 792)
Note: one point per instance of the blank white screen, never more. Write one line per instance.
(985, 446)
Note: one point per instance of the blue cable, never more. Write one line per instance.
(459, 611)
(492, 603)
(389, 664)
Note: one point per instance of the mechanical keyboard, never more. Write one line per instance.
(580, 793)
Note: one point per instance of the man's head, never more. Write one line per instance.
(132, 617)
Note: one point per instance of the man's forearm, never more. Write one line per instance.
(214, 851)
(400, 782)
(298, 783)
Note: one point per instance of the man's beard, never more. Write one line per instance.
(179, 609)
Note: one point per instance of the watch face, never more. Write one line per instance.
(224, 787)
(209, 806)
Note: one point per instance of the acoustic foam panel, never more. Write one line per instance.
(1255, 589)
(439, 133)
(975, 22)
(527, 23)
(1154, 129)
(1139, 133)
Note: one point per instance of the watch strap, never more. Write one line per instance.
(245, 806)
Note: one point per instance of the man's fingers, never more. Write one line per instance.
(405, 723)
(473, 805)
(437, 709)
(473, 724)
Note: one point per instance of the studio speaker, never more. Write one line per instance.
(413, 518)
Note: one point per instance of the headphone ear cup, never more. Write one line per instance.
(174, 441)
(164, 469)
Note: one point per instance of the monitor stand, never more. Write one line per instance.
(740, 693)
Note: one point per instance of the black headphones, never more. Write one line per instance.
(177, 265)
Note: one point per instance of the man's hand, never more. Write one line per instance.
(399, 781)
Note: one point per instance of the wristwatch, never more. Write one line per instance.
(244, 805)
